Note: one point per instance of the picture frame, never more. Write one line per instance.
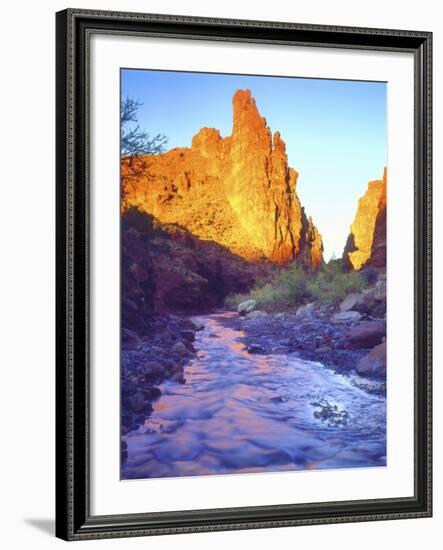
(74, 517)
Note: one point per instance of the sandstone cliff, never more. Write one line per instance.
(366, 245)
(237, 191)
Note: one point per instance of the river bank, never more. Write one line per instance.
(149, 360)
(313, 337)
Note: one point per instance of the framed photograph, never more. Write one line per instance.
(243, 274)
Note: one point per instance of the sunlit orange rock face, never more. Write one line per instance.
(237, 191)
(366, 245)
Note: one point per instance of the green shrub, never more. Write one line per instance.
(269, 297)
(289, 289)
(293, 282)
(331, 285)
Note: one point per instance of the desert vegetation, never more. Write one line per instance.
(294, 286)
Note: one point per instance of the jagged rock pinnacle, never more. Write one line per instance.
(238, 191)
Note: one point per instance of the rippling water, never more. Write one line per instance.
(240, 412)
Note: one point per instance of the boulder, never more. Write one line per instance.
(373, 365)
(188, 335)
(179, 349)
(152, 369)
(256, 348)
(305, 311)
(129, 335)
(196, 325)
(151, 392)
(176, 368)
(378, 310)
(357, 302)
(365, 335)
(256, 314)
(246, 307)
(280, 315)
(178, 377)
(346, 317)
(137, 401)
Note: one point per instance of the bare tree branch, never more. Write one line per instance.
(134, 141)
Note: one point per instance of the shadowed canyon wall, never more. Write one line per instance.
(366, 244)
(237, 191)
(167, 269)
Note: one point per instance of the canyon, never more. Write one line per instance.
(220, 222)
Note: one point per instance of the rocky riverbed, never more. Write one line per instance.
(149, 360)
(250, 412)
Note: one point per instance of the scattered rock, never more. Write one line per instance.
(305, 311)
(346, 317)
(178, 377)
(256, 314)
(246, 307)
(365, 335)
(161, 354)
(130, 336)
(379, 310)
(280, 315)
(196, 325)
(179, 349)
(188, 335)
(153, 370)
(369, 293)
(367, 302)
(357, 302)
(189, 346)
(177, 368)
(151, 393)
(137, 401)
(255, 348)
(331, 414)
(373, 365)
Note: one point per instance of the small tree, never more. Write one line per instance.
(134, 141)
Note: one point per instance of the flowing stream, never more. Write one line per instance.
(240, 412)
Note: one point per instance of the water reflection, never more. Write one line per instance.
(239, 412)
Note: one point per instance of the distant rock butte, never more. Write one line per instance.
(237, 191)
(366, 245)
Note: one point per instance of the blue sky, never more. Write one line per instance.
(335, 130)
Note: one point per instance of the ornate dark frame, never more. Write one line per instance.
(74, 520)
